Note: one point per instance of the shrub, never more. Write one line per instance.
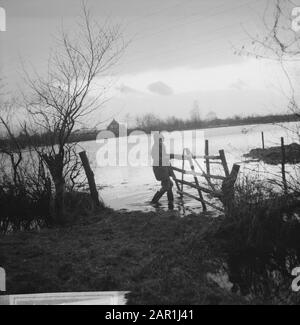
(261, 241)
(22, 208)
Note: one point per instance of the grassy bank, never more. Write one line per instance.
(161, 259)
(243, 258)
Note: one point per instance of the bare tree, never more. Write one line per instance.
(62, 99)
(280, 43)
(195, 112)
(10, 147)
(148, 122)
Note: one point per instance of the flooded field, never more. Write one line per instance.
(132, 188)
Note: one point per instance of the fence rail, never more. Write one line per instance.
(180, 157)
(187, 172)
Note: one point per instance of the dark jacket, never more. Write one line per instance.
(161, 162)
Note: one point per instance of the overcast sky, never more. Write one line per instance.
(181, 51)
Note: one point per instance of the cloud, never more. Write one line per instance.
(126, 90)
(239, 85)
(249, 75)
(160, 88)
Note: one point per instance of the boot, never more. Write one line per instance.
(170, 196)
(171, 206)
(157, 197)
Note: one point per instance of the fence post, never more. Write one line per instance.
(90, 176)
(283, 162)
(224, 162)
(182, 175)
(207, 154)
(228, 187)
(263, 140)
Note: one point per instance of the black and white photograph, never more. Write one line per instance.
(149, 155)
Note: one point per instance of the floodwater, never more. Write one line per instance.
(132, 187)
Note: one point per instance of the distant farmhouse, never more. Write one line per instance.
(118, 129)
(114, 127)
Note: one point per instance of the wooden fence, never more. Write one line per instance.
(223, 191)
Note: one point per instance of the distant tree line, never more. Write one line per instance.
(43, 139)
(151, 122)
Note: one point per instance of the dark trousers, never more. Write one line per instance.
(166, 187)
